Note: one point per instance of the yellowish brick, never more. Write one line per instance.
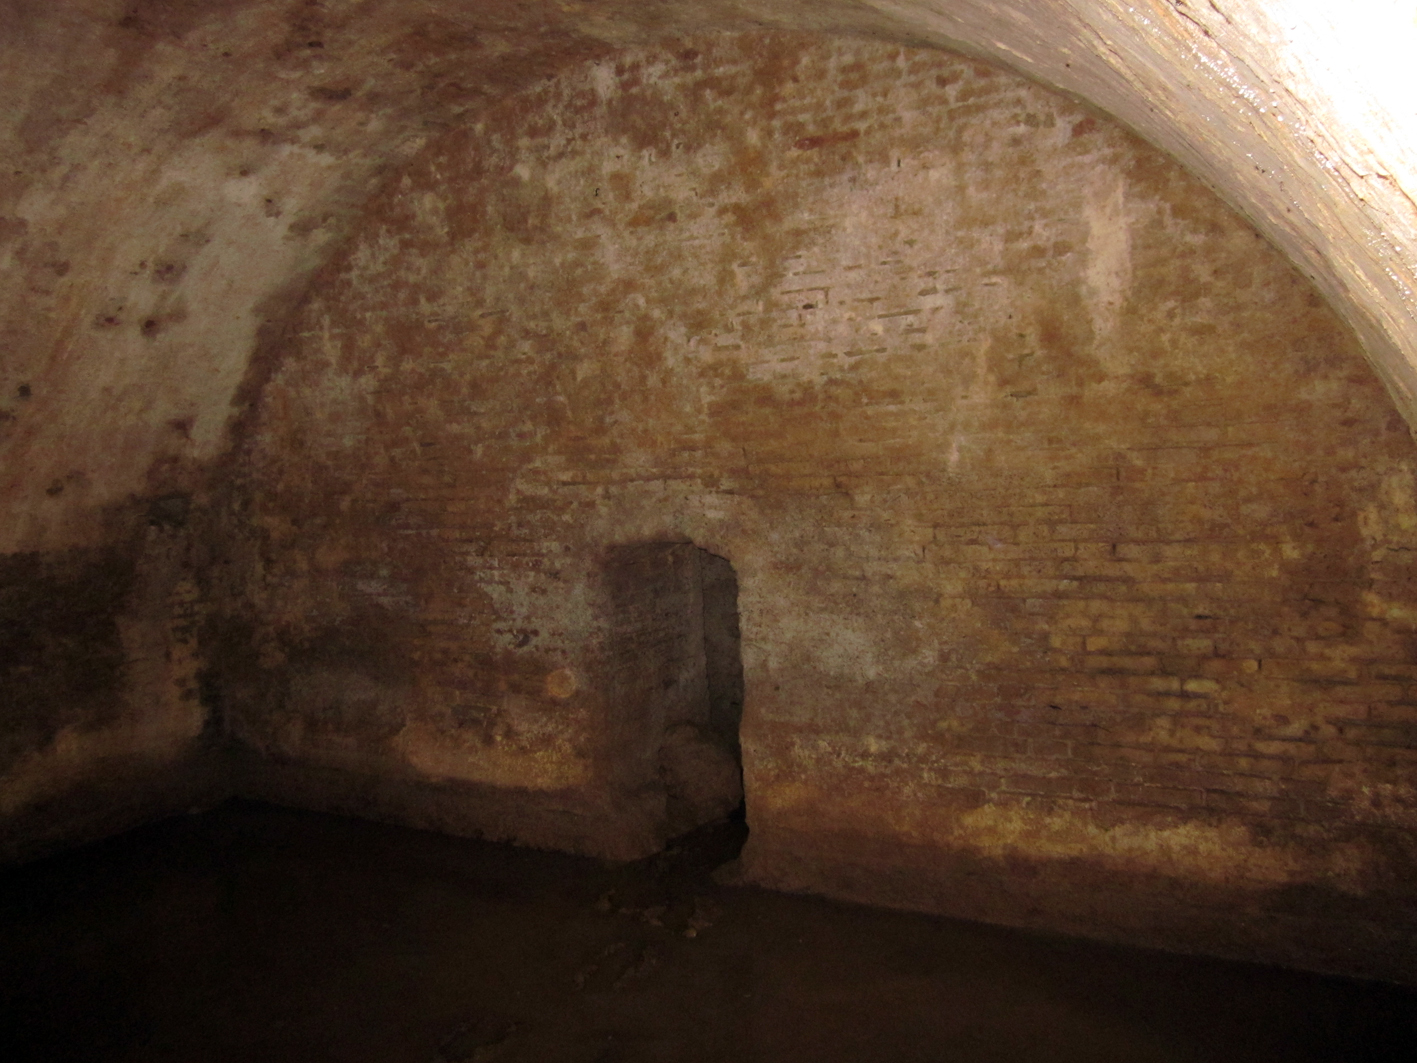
(1204, 687)
(1195, 647)
(1118, 663)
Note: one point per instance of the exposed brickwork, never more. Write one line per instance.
(1071, 529)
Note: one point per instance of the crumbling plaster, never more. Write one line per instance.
(1046, 616)
(175, 171)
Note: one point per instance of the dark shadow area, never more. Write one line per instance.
(257, 933)
(723, 650)
(678, 670)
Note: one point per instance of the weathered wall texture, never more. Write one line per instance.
(176, 170)
(1050, 616)
(99, 684)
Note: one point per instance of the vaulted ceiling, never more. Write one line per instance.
(176, 171)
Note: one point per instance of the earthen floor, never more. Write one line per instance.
(254, 933)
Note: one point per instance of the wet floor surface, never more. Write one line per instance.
(254, 933)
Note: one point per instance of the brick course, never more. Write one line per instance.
(1070, 524)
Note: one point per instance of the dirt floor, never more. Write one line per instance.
(255, 933)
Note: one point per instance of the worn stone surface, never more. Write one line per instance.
(99, 685)
(1048, 615)
(1221, 565)
(175, 173)
(176, 170)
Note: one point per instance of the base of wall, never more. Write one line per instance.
(126, 796)
(1305, 927)
(566, 821)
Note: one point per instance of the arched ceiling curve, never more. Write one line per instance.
(175, 171)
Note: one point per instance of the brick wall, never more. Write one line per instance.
(1075, 539)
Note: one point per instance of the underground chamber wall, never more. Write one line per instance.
(1051, 621)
